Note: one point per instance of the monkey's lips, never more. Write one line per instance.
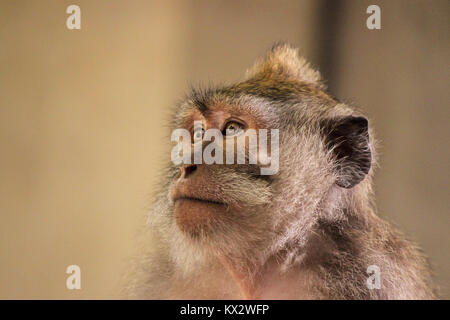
(194, 214)
(195, 199)
(186, 193)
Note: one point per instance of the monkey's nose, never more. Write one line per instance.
(186, 171)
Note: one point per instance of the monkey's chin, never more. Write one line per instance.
(196, 217)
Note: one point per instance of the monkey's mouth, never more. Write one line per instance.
(195, 199)
(182, 194)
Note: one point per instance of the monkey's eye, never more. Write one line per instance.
(198, 134)
(232, 128)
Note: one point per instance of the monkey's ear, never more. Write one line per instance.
(282, 62)
(348, 138)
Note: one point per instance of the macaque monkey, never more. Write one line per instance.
(307, 231)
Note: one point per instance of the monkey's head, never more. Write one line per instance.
(323, 155)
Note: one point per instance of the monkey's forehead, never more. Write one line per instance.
(272, 90)
(264, 97)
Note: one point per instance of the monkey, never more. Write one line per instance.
(308, 231)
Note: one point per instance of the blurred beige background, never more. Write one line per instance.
(83, 113)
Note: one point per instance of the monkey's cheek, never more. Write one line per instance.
(197, 218)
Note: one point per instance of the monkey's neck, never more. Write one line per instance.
(244, 281)
(254, 282)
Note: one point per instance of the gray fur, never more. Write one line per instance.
(316, 234)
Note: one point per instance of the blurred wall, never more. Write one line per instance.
(83, 113)
(399, 77)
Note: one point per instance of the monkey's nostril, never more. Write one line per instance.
(189, 170)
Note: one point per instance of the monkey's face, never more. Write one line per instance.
(226, 203)
(214, 200)
(323, 150)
